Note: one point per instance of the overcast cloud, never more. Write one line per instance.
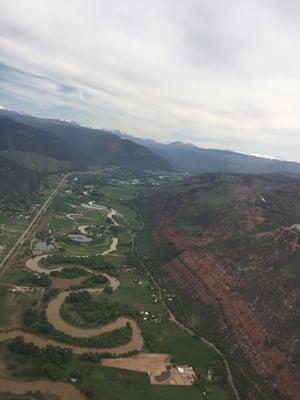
(218, 73)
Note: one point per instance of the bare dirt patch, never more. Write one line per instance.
(158, 367)
(62, 283)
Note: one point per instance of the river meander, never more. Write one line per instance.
(61, 389)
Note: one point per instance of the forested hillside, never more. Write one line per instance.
(229, 246)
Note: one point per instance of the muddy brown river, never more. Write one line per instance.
(64, 283)
(53, 316)
(63, 390)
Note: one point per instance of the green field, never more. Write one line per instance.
(135, 294)
(14, 304)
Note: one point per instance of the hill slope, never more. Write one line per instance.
(45, 147)
(14, 135)
(104, 147)
(26, 155)
(15, 180)
(94, 146)
(229, 246)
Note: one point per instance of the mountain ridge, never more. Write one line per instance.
(229, 246)
(195, 160)
(184, 157)
(45, 147)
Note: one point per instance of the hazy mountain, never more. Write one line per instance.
(47, 146)
(190, 158)
(24, 138)
(95, 146)
(43, 147)
(16, 179)
(27, 154)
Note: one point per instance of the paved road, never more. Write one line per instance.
(15, 248)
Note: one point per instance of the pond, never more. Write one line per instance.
(43, 246)
(80, 238)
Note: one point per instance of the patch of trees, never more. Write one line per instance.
(219, 370)
(28, 279)
(81, 309)
(27, 248)
(44, 235)
(30, 360)
(91, 281)
(108, 290)
(29, 317)
(68, 273)
(39, 324)
(55, 355)
(96, 357)
(159, 252)
(96, 263)
(3, 293)
(49, 294)
(96, 194)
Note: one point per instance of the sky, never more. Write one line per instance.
(219, 74)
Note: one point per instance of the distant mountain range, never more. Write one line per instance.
(195, 160)
(32, 147)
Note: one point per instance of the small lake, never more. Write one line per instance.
(80, 238)
(43, 246)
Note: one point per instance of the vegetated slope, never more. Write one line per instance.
(196, 160)
(94, 146)
(234, 260)
(26, 155)
(44, 147)
(15, 179)
(190, 158)
(101, 147)
(14, 135)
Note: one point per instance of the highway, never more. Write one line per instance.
(12, 252)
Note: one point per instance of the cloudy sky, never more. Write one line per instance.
(220, 74)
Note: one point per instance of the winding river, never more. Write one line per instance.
(110, 215)
(64, 390)
(53, 316)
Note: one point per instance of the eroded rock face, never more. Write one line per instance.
(239, 249)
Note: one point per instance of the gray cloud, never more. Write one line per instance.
(219, 74)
